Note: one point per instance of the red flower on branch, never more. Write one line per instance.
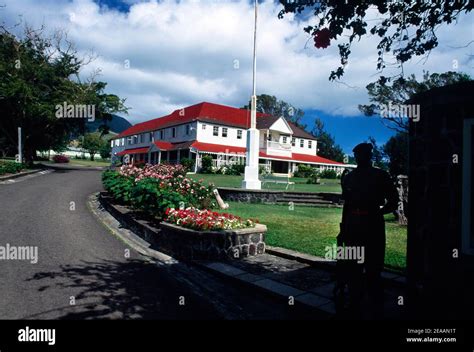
(322, 38)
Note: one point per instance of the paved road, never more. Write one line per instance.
(83, 272)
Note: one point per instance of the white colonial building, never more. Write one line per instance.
(219, 131)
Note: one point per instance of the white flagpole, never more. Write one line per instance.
(251, 180)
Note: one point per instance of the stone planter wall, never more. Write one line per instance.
(186, 243)
(229, 244)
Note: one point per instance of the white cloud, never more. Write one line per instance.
(181, 54)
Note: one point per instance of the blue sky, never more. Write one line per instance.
(165, 55)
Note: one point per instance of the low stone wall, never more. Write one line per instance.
(271, 196)
(229, 244)
(249, 196)
(188, 244)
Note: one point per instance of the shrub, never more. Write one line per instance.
(148, 196)
(206, 164)
(188, 164)
(205, 220)
(117, 185)
(235, 169)
(11, 167)
(304, 171)
(314, 178)
(60, 159)
(331, 174)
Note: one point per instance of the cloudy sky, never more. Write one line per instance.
(163, 55)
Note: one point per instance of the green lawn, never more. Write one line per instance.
(310, 230)
(300, 183)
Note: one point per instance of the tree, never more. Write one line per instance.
(382, 94)
(105, 149)
(93, 143)
(396, 149)
(40, 74)
(269, 104)
(327, 146)
(405, 28)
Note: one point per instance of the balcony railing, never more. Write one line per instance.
(278, 145)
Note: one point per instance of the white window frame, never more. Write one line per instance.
(215, 131)
(310, 144)
(239, 134)
(301, 143)
(225, 132)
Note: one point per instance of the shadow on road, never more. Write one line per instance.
(119, 290)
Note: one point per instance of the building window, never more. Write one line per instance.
(111, 144)
(301, 143)
(239, 134)
(142, 137)
(152, 138)
(215, 131)
(309, 144)
(188, 129)
(269, 137)
(123, 142)
(224, 131)
(162, 134)
(173, 132)
(284, 139)
(203, 126)
(293, 141)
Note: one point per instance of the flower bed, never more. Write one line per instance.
(155, 188)
(206, 220)
(194, 231)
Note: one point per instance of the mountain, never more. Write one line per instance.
(117, 125)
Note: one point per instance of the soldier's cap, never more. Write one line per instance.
(365, 148)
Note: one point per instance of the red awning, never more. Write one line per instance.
(133, 151)
(217, 148)
(164, 145)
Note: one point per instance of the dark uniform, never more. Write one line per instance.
(368, 194)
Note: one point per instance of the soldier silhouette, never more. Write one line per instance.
(368, 194)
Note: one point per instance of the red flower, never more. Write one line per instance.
(322, 38)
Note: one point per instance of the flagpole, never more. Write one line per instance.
(251, 180)
(253, 115)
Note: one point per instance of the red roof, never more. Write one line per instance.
(133, 151)
(304, 158)
(209, 112)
